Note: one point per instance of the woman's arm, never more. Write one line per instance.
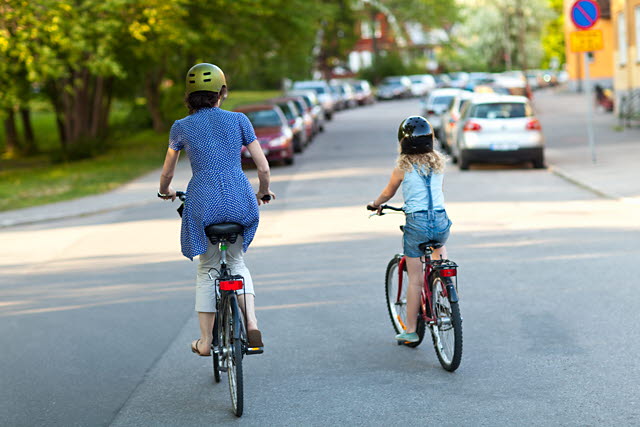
(263, 170)
(169, 168)
(390, 190)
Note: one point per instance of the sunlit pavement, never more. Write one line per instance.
(97, 312)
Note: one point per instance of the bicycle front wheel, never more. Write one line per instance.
(233, 352)
(447, 331)
(396, 284)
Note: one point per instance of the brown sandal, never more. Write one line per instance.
(255, 338)
(196, 351)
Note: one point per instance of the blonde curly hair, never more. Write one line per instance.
(433, 160)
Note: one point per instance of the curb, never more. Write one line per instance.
(569, 178)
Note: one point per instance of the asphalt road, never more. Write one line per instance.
(97, 313)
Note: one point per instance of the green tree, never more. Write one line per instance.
(553, 36)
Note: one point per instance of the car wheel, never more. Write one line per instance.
(538, 163)
(289, 161)
(463, 163)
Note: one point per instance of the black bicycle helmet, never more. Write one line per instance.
(415, 135)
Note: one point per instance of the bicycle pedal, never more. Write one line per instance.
(255, 350)
(222, 368)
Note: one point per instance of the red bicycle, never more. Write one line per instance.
(439, 305)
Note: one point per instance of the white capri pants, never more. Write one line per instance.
(205, 287)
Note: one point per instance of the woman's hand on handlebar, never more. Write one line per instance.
(265, 197)
(168, 195)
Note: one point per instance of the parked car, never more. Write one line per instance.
(363, 92)
(422, 84)
(273, 132)
(322, 90)
(450, 117)
(295, 119)
(459, 79)
(394, 88)
(443, 80)
(433, 107)
(307, 120)
(315, 109)
(345, 94)
(498, 128)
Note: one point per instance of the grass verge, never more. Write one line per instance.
(27, 182)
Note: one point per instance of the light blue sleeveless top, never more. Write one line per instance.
(422, 191)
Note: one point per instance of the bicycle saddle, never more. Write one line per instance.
(433, 244)
(223, 231)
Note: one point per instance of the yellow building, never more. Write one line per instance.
(601, 68)
(625, 15)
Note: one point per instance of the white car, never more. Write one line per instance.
(422, 84)
(497, 129)
(450, 117)
(323, 91)
(437, 102)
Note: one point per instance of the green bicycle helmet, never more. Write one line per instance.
(205, 77)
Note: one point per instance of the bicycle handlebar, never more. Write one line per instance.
(383, 207)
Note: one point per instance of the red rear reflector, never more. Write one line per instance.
(448, 272)
(471, 127)
(533, 124)
(431, 112)
(231, 285)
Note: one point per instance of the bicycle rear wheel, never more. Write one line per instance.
(233, 352)
(447, 333)
(396, 297)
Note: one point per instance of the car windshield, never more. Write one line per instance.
(500, 110)
(417, 80)
(317, 89)
(442, 100)
(264, 118)
(392, 84)
(392, 81)
(300, 105)
(286, 110)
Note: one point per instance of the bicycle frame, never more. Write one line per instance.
(426, 295)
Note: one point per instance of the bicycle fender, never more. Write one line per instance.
(451, 292)
(235, 309)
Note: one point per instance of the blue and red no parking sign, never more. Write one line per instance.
(585, 13)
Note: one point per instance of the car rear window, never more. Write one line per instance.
(286, 110)
(264, 118)
(442, 100)
(500, 110)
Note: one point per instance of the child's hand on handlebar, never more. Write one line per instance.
(372, 207)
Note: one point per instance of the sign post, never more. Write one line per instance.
(585, 14)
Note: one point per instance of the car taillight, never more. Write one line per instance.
(431, 112)
(533, 124)
(471, 127)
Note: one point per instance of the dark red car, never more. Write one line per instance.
(272, 130)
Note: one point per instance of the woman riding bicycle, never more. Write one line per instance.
(419, 169)
(218, 191)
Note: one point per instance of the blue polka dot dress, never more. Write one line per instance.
(218, 191)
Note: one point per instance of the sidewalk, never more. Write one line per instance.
(139, 192)
(615, 174)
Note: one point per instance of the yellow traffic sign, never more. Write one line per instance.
(586, 41)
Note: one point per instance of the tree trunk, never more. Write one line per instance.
(29, 138)
(12, 143)
(152, 93)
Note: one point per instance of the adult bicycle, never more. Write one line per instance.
(439, 304)
(230, 342)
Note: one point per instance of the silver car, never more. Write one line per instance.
(323, 91)
(497, 129)
(450, 117)
(437, 102)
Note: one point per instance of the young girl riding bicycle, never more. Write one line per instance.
(420, 171)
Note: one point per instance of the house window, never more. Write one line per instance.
(365, 29)
(637, 19)
(622, 40)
